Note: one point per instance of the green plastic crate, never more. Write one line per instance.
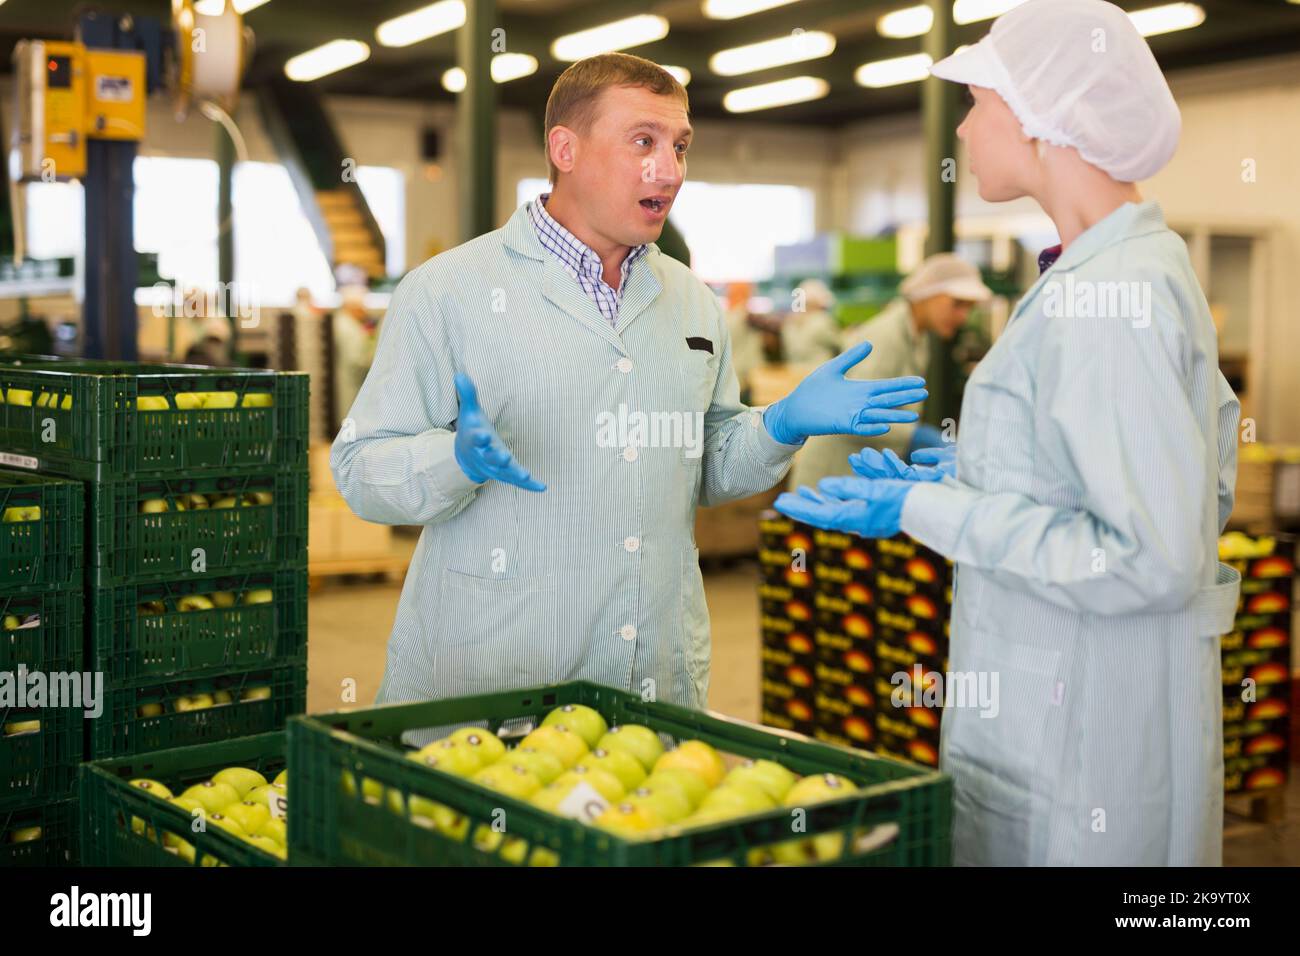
(57, 844)
(40, 764)
(90, 427)
(117, 819)
(129, 545)
(126, 728)
(47, 552)
(134, 649)
(53, 644)
(902, 811)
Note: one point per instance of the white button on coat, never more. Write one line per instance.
(624, 365)
(627, 632)
(630, 453)
(631, 543)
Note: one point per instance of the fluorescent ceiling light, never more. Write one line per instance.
(730, 9)
(505, 67)
(891, 72)
(799, 89)
(1167, 18)
(917, 20)
(907, 22)
(608, 37)
(326, 59)
(766, 54)
(683, 75)
(430, 21)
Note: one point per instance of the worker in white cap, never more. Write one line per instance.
(1094, 470)
(809, 333)
(354, 346)
(936, 298)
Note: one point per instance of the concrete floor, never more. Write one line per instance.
(349, 625)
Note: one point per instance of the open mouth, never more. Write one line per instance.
(655, 204)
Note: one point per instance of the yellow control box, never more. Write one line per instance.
(115, 94)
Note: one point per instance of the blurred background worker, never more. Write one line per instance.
(213, 345)
(809, 334)
(746, 341)
(354, 346)
(936, 298)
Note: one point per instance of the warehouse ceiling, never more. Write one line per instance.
(1233, 30)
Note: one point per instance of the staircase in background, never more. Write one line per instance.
(307, 144)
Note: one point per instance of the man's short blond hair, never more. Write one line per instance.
(574, 97)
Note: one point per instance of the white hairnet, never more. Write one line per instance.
(1077, 73)
(945, 274)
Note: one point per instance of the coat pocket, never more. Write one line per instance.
(494, 633)
(694, 614)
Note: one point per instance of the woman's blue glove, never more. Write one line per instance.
(870, 508)
(480, 452)
(943, 458)
(870, 463)
(925, 436)
(827, 403)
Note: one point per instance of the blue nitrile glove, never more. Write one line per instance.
(925, 436)
(945, 458)
(870, 508)
(480, 452)
(827, 403)
(870, 463)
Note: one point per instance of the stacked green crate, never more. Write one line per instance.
(43, 694)
(196, 538)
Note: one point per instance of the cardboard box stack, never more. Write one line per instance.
(880, 610)
(786, 599)
(1257, 663)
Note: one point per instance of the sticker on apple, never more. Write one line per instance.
(583, 803)
(279, 805)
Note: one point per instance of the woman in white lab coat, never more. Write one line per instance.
(1093, 473)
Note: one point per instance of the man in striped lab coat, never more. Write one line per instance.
(552, 401)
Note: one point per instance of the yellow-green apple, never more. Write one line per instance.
(620, 763)
(631, 821)
(768, 775)
(602, 781)
(697, 757)
(584, 721)
(641, 742)
(214, 796)
(488, 744)
(544, 764)
(559, 740)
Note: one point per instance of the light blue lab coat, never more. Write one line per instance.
(598, 577)
(1096, 463)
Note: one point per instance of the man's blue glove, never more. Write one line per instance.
(826, 403)
(870, 463)
(870, 508)
(480, 452)
(925, 436)
(943, 458)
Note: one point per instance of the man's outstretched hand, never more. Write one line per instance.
(827, 403)
(480, 452)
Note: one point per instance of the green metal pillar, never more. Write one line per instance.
(476, 120)
(939, 119)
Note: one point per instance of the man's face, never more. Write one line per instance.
(628, 167)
